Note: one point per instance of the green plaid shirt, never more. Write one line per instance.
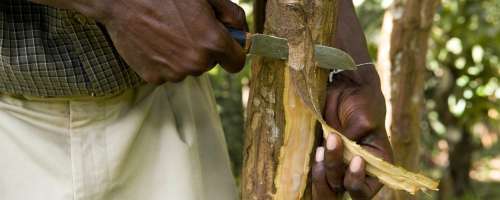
(50, 52)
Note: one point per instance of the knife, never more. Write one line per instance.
(274, 47)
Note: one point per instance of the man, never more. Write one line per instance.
(78, 122)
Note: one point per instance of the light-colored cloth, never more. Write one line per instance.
(148, 143)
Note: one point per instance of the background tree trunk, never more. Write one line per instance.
(280, 128)
(401, 64)
(259, 15)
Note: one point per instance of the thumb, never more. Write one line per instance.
(229, 14)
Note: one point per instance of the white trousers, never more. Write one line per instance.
(148, 143)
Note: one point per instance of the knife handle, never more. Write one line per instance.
(242, 37)
(239, 36)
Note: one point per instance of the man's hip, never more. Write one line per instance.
(146, 143)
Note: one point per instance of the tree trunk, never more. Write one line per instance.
(461, 163)
(259, 15)
(280, 128)
(401, 64)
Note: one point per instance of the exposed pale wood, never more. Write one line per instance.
(277, 153)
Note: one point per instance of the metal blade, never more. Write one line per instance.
(277, 48)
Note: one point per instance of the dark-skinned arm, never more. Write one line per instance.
(167, 40)
(356, 107)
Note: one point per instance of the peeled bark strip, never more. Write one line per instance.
(392, 176)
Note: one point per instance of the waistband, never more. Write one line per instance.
(91, 97)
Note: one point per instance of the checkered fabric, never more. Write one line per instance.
(49, 52)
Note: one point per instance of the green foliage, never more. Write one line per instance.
(466, 46)
(371, 14)
(462, 88)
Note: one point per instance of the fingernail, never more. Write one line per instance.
(356, 163)
(320, 154)
(331, 142)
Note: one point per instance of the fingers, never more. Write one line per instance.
(334, 162)
(358, 118)
(232, 58)
(321, 189)
(360, 127)
(230, 55)
(359, 186)
(354, 180)
(331, 178)
(230, 14)
(378, 144)
(331, 107)
(328, 170)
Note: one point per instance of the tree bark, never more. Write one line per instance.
(280, 127)
(259, 15)
(401, 64)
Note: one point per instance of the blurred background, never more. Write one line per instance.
(459, 118)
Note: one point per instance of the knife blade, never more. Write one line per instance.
(277, 48)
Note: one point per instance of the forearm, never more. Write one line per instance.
(352, 40)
